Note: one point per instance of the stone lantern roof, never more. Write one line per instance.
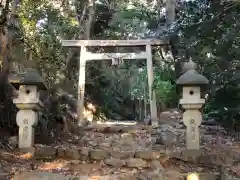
(29, 77)
(191, 76)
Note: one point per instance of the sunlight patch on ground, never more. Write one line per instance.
(52, 165)
(26, 156)
(193, 176)
(88, 112)
(94, 178)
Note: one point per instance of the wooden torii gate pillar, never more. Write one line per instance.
(86, 56)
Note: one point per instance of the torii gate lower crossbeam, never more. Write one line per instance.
(86, 56)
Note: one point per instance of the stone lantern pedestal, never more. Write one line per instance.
(28, 85)
(191, 82)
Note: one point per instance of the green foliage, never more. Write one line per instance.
(162, 85)
(223, 104)
(139, 87)
(209, 35)
(165, 91)
(42, 26)
(131, 22)
(208, 32)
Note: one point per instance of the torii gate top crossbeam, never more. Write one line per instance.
(143, 42)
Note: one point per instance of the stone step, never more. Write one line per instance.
(155, 175)
(133, 159)
(141, 158)
(116, 128)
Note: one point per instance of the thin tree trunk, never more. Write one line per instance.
(173, 38)
(90, 7)
(70, 61)
(79, 35)
(170, 12)
(87, 35)
(10, 25)
(91, 14)
(4, 35)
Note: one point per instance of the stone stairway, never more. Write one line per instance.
(116, 152)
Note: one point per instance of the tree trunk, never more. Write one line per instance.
(170, 12)
(91, 14)
(9, 23)
(4, 36)
(89, 10)
(173, 38)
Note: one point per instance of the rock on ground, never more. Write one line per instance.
(43, 176)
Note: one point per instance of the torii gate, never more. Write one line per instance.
(87, 56)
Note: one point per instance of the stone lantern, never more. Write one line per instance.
(192, 84)
(28, 85)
